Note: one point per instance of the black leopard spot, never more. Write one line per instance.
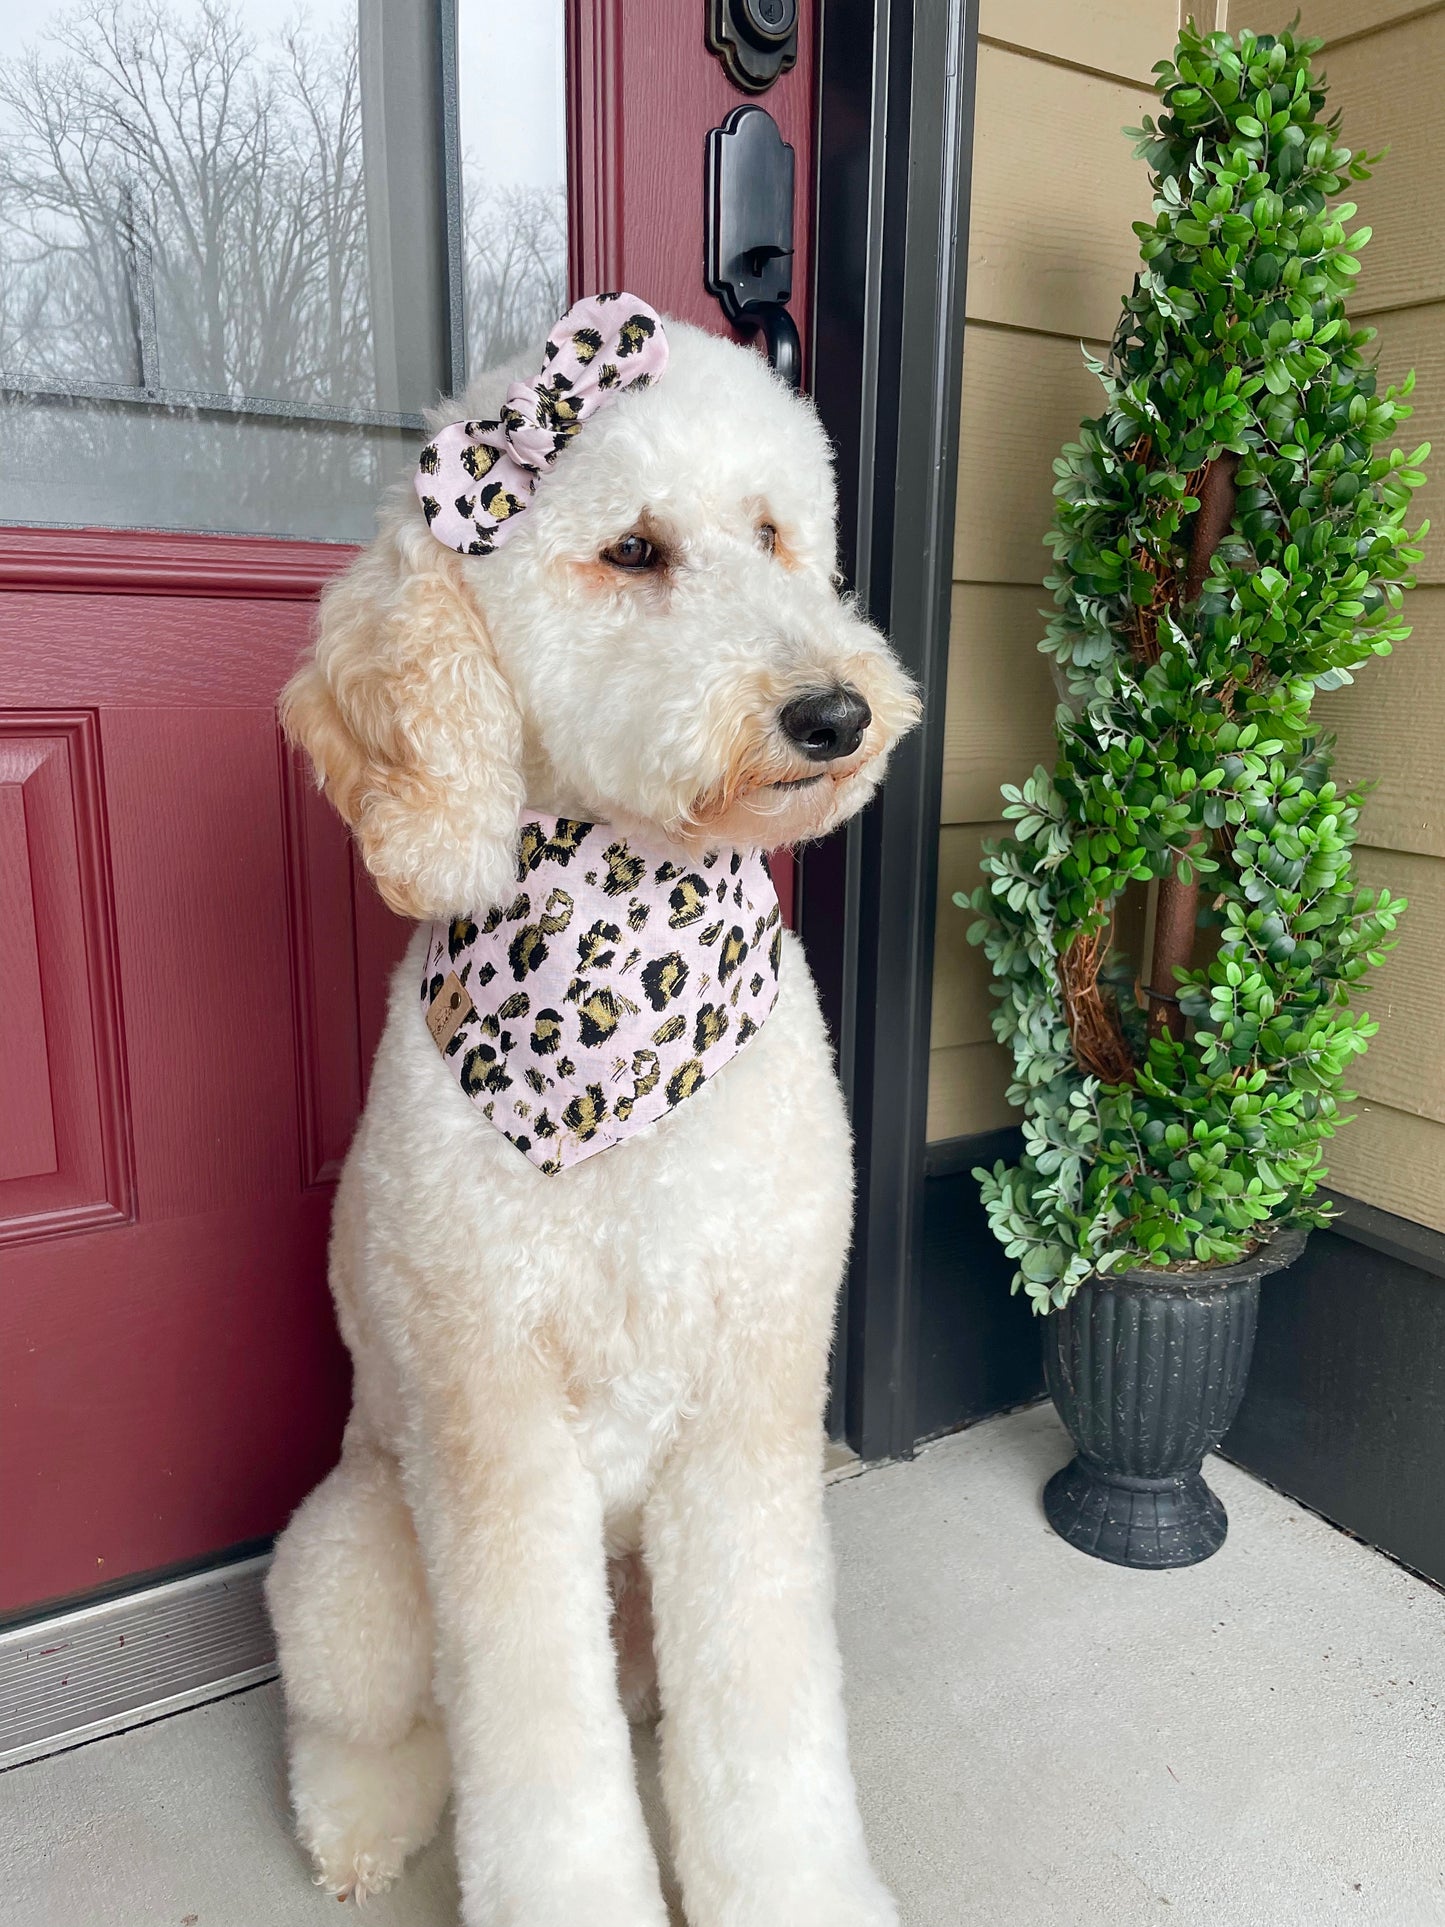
(775, 952)
(735, 861)
(664, 978)
(755, 984)
(608, 375)
(709, 860)
(556, 912)
(527, 951)
(586, 342)
(746, 1029)
(478, 460)
(636, 332)
(465, 506)
(535, 1078)
(431, 508)
(461, 932)
(430, 989)
(688, 1078)
(429, 461)
(565, 1067)
(622, 1109)
(597, 1018)
(670, 1029)
(594, 950)
(638, 915)
(547, 1032)
(733, 954)
(485, 974)
(499, 502)
(481, 1071)
(624, 870)
(543, 1125)
(711, 934)
(665, 872)
(585, 1115)
(535, 847)
(722, 891)
(710, 1029)
(517, 1005)
(688, 900)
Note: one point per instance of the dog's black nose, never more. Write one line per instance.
(827, 724)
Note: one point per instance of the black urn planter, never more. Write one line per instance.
(1146, 1369)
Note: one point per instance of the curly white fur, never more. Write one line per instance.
(588, 1405)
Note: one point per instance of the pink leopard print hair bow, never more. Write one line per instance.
(475, 478)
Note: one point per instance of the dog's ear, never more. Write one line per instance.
(412, 728)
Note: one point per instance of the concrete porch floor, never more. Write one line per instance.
(1040, 1740)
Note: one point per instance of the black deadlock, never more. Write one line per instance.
(756, 40)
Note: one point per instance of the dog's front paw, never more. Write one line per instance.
(362, 1811)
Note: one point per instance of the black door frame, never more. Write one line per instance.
(894, 149)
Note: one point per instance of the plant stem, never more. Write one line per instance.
(1176, 911)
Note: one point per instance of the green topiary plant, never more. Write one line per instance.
(1230, 538)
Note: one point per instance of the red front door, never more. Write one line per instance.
(192, 964)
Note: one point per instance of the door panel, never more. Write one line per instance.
(196, 934)
(64, 1141)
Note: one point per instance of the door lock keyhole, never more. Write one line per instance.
(756, 40)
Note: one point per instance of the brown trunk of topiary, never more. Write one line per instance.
(1176, 909)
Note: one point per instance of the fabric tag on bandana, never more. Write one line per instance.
(619, 979)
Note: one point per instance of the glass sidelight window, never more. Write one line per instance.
(242, 247)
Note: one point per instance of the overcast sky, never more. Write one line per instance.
(509, 65)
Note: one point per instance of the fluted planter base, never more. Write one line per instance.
(1147, 1370)
(1147, 1523)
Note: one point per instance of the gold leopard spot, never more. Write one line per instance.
(733, 954)
(684, 1081)
(499, 502)
(556, 912)
(635, 334)
(688, 899)
(664, 979)
(527, 951)
(624, 870)
(710, 1029)
(585, 1115)
(670, 1030)
(478, 460)
(597, 1017)
(547, 1033)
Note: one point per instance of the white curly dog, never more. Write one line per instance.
(587, 1423)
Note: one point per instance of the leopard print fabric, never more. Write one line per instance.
(619, 979)
(474, 478)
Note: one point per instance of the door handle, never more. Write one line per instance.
(748, 232)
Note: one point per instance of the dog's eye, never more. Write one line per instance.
(767, 538)
(632, 552)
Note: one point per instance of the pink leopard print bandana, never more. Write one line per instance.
(475, 478)
(620, 978)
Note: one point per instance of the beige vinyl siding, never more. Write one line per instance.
(1037, 284)
(1051, 252)
(1386, 76)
